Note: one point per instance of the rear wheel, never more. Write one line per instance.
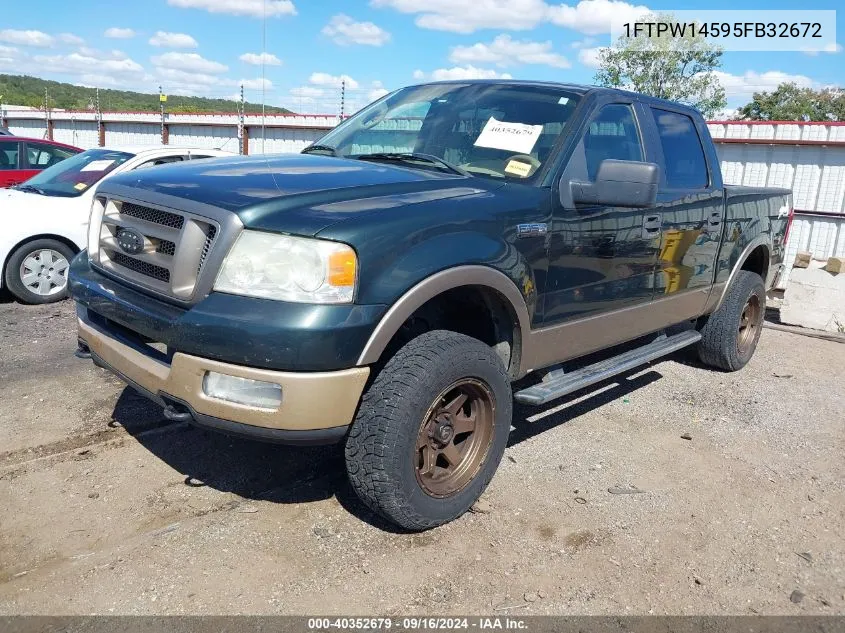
(730, 334)
(431, 430)
(37, 271)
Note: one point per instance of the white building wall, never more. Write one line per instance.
(77, 133)
(134, 134)
(205, 136)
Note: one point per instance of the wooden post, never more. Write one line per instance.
(101, 133)
(246, 141)
(49, 128)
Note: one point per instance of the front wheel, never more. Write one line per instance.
(37, 271)
(431, 430)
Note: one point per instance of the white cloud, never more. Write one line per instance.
(505, 51)
(345, 31)
(26, 38)
(594, 16)
(307, 92)
(461, 72)
(466, 16)
(334, 81)
(173, 40)
(251, 8)
(70, 38)
(742, 87)
(117, 33)
(256, 84)
(585, 43)
(590, 56)
(189, 62)
(256, 59)
(80, 63)
(377, 91)
(87, 51)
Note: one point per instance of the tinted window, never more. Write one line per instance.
(682, 151)
(8, 155)
(41, 156)
(611, 135)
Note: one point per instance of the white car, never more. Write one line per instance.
(44, 221)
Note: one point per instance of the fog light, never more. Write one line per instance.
(254, 393)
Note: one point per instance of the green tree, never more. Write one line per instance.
(675, 68)
(790, 102)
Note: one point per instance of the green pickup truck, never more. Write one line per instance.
(388, 286)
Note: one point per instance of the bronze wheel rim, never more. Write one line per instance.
(454, 437)
(750, 321)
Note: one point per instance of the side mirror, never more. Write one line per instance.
(619, 183)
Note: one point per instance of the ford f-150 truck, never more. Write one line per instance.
(387, 287)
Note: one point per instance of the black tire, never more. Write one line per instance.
(13, 278)
(381, 447)
(724, 344)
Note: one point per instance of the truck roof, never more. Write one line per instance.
(579, 89)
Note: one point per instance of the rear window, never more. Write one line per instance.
(683, 153)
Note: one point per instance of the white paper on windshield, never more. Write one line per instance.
(97, 165)
(513, 137)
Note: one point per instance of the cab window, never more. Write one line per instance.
(612, 134)
(686, 167)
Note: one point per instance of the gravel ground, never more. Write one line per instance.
(107, 508)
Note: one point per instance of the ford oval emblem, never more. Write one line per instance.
(130, 241)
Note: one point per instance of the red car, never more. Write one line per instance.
(22, 158)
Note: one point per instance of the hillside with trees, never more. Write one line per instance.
(29, 91)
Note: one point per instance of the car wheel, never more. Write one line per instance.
(431, 430)
(37, 271)
(729, 336)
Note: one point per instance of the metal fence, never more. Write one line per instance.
(808, 158)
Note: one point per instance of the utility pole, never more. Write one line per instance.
(342, 98)
(162, 99)
(49, 132)
(241, 126)
(101, 129)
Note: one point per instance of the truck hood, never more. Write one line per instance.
(294, 193)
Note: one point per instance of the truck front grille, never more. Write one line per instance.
(173, 250)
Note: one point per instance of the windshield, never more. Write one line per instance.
(491, 130)
(75, 175)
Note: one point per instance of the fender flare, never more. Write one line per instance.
(717, 297)
(430, 287)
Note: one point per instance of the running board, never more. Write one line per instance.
(559, 384)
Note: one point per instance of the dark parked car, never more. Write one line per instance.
(4, 131)
(22, 158)
(387, 288)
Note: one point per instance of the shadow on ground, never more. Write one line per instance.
(291, 474)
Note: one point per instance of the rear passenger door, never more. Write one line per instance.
(602, 258)
(691, 206)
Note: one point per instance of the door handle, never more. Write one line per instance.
(652, 225)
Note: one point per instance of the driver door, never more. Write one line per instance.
(602, 258)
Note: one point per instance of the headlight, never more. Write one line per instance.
(289, 269)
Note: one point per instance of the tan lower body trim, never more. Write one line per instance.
(558, 343)
(310, 400)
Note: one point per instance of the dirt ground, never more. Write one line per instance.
(107, 508)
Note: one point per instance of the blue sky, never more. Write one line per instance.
(209, 47)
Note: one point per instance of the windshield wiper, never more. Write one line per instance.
(31, 188)
(320, 149)
(415, 157)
